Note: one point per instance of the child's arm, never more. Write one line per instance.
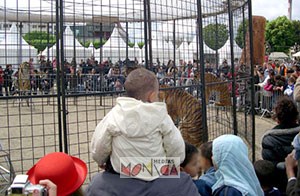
(172, 140)
(101, 143)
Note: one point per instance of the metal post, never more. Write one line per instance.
(101, 40)
(20, 44)
(146, 34)
(174, 51)
(149, 34)
(48, 40)
(127, 40)
(58, 80)
(217, 39)
(74, 44)
(252, 78)
(244, 35)
(231, 35)
(201, 63)
(63, 93)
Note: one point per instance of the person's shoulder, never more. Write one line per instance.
(227, 191)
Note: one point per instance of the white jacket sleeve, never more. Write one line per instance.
(172, 140)
(101, 142)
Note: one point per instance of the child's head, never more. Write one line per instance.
(206, 156)
(142, 84)
(190, 163)
(265, 171)
(291, 81)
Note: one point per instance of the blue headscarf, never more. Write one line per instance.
(230, 156)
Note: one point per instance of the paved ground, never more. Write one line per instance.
(262, 125)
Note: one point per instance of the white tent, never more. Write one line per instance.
(14, 49)
(115, 48)
(297, 54)
(70, 43)
(225, 52)
(278, 55)
(92, 49)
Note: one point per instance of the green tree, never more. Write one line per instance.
(140, 44)
(98, 43)
(131, 44)
(296, 24)
(280, 34)
(215, 35)
(39, 39)
(241, 33)
(85, 44)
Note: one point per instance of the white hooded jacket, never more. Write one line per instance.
(136, 129)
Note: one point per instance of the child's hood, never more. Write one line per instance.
(136, 118)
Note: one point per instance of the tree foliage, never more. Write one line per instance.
(215, 35)
(241, 33)
(140, 44)
(280, 34)
(296, 24)
(131, 44)
(39, 39)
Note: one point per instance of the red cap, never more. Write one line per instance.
(67, 172)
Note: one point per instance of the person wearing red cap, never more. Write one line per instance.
(66, 172)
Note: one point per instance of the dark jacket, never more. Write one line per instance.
(108, 184)
(293, 186)
(277, 144)
(227, 191)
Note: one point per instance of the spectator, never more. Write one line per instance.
(282, 70)
(290, 88)
(265, 171)
(206, 164)
(191, 167)
(130, 125)
(297, 90)
(276, 143)
(8, 79)
(108, 184)
(235, 173)
(68, 175)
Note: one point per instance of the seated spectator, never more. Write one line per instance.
(276, 143)
(60, 173)
(265, 171)
(234, 172)
(206, 164)
(191, 167)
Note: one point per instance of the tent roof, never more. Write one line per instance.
(297, 54)
(115, 40)
(12, 40)
(278, 55)
(131, 11)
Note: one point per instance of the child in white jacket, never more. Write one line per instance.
(137, 127)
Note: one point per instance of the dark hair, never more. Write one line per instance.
(292, 80)
(271, 72)
(286, 111)
(206, 151)
(190, 150)
(265, 171)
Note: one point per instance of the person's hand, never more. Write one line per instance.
(290, 164)
(50, 186)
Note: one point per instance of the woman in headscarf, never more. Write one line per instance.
(234, 172)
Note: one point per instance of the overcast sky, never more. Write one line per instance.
(271, 9)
